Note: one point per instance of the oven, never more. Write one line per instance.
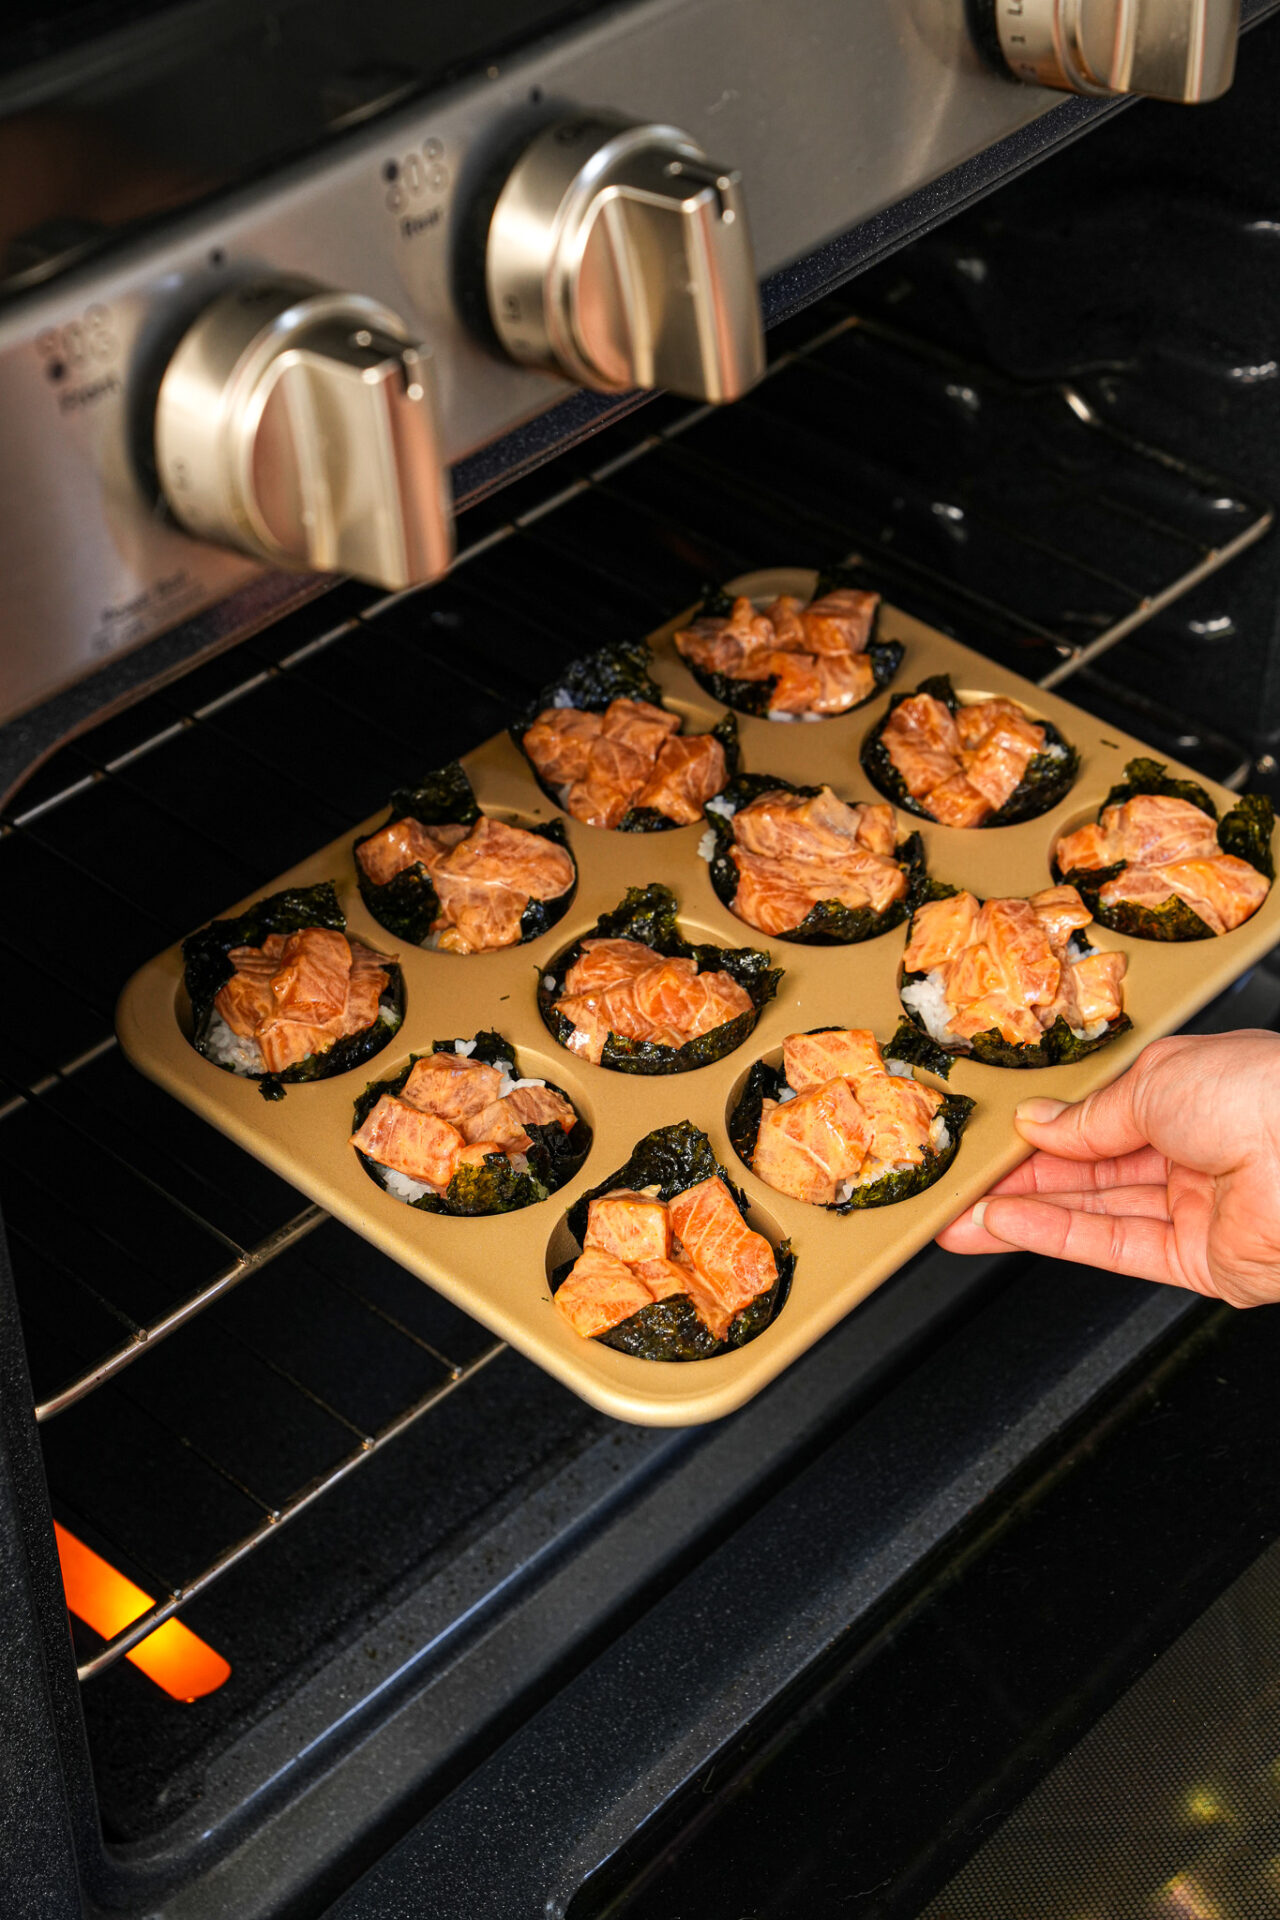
(320, 1599)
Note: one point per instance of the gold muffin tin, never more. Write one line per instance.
(496, 1268)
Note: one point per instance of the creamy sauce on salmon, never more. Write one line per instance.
(602, 765)
(298, 994)
(484, 875)
(1171, 851)
(453, 1112)
(962, 767)
(814, 654)
(792, 852)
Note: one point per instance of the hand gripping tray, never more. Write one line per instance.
(496, 1268)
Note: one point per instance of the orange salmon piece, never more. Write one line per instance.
(409, 1141)
(541, 1107)
(1019, 944)
(615, 772)
(599, 1293)
(844, 680)
(559, 743)
(840, 622)
(1086, 848)
(922, 741)
(1097, 986)
(769, 896)
(246, 1001)
(730, 1259)
(311, 984)
(811, 1059)
(451, 1085)
(1224, 891)
(403, 844)
(686, 774)
(899, 1114)
(1061, 912)
(1015, 1024)
(604, 963)
(631, 1225)
(956, 802)
(807, 1146)
(639, 724)
(497, 1125)
(1152, 830)
(664, 1278)
(940, 930)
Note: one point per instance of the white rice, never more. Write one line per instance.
(939, 1136)
(1055, 752)
(788, 1093)
(817, 717)
(466, 1047)
(403, 1187)
(722, 806)
(899, 1069)
(564, 699)
(928, 998)
(548, 983)
(707, 845)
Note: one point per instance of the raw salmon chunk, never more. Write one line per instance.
(615, 771)
(498, 1125)
(541, 1107)
(630, 1225)
(299, 993)
(940, 930)
(808, 1147)
(599, 1293)
(451, 1085)
(559, 742)
(404, 844)
(686, 774)
(409, 1141)
(811, 1059)
(794, 850)
(640, 724)
(625, 988)
(961, 767)
(813, 655)
(730, 1259)
(899, 1115)
(1170, 851)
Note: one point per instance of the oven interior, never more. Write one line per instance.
(1022, 424)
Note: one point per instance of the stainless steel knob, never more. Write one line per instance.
(1169, 49)
(300, 426)
(620, 256)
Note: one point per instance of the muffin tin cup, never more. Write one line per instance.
(495, 1268)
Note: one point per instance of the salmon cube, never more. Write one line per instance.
(284, 1043)
(364, 990)
(630, 1225)
(730, 1259)
(844, 681)
(451, 1085)
(409, 1141)
(798, 682)
(245, 1001)
(1097, 984)
(1153, 830)
(1062, 912)
(877, 829)
(769, 894)
(785, 617)
(710, 1309)
(541, 1107)
(1019, 944)
(615, 773)
(995, 769)
(840, 622)
(811, 1059)
(639, 724)
(665, 1279)
(498, 1125)
(686, 774)
(1086, 848)
(972, 975)
(311, 983)
(599, 1293)
(1017, 1024)
(807, 1146)
(559, 743)
(956, 802)
(940, 930)
(899, 1114)
(403, 844)
(604, 963)
(590, 1026)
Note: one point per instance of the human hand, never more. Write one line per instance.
(1171, 1174)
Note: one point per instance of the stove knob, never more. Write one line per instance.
(299, 425)
(620, 256)
(1170, 49)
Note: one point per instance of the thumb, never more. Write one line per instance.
(1102, 1126)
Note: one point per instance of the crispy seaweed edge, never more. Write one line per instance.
(1045, 782)
(616, 672)
(766, 1082)
(1245, 830)
(649, 915)
(207, 967)
(1060, 1047)
(753, 696)
(673, 1158)
(495, 1187)
(407, 905)
(830, 923)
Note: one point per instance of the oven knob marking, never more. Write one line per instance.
(300, 426)
(621, 256)
(1182, 50)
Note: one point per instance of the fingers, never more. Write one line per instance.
(1133, 1244)
(973, 1233)
(1045, 1173)
(1103, 1126)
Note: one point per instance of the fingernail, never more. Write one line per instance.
(1040, 1112)
(979, 1213)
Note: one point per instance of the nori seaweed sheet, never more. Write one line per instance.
(1245, 831)
(768, 1083)
(830, 923)
(207, 966)
(648, 914)
(1059, 1046)
(753, 696)
(408, 905)
(1045, 782)
(554, 1156)
(617, 672)
(671, 1159)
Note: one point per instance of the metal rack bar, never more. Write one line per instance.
(163, 1610)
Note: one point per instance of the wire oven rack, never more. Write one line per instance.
(859, 441)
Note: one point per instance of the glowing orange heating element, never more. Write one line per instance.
(174, 1657)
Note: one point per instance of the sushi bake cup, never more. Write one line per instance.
(1061, 1045)
(1049, 777)
(830, 923)
(753, 696)
(207, 967)
(648, 915)
(671, 1159)
(1245, 830)
(618, 672)
(408, 905)
(554, 1156)
(767, 1080)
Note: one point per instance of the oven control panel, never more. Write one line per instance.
(188, 405)
(620, 256)
(299, 426)
(1182, 50)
